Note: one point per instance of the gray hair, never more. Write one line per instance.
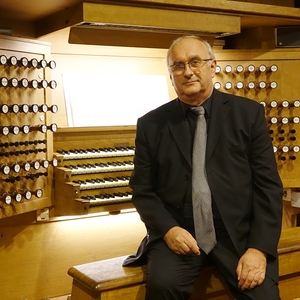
(208, 46)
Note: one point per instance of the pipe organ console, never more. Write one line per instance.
(78, 171)
(26, 129)
(93, 172)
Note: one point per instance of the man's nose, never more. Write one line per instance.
(188, 70)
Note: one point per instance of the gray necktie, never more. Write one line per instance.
(201, 195)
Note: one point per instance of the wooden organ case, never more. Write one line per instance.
(94, 166)
(25, 126)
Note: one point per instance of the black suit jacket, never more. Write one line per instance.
(241, 170)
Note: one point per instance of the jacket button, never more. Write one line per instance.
(186, 177)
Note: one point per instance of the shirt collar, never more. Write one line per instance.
(206, 104)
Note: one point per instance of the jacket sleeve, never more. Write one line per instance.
(143, 182)
(267, 190)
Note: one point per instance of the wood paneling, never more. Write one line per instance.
(11, 154)
(35, 258)
(140, 19)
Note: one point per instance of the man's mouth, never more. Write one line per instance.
(190, 82)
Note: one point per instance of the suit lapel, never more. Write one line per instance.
(178, 126)
(219, 113)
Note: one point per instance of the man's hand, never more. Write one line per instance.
(181, 241)
(251, 269)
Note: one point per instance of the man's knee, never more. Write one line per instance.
(167, 287)
(268, 291)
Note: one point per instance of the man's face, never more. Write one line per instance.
(192, 83)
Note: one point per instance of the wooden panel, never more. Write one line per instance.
(19, 147)
(142, 17)
(126, 38)
(289, 287)
(126, 293)
(289, 263)
(38, 256)
(90, 137)
(164, 18)
(289, 218)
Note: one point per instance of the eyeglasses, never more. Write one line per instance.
(195, 65)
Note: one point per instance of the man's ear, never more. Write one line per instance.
(213, 68)
(170, 76)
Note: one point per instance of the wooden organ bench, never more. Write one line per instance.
(108, 280)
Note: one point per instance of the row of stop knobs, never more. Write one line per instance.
(247, 69)
(286, 152)
(248, 86)
(24, 62)
(27, 166)
(281, 104)
(25, 83)
(27, 108)
(19, 195)
(26, 129)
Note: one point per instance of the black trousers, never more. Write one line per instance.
(171, 276)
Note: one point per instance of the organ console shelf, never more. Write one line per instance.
(94, 165)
